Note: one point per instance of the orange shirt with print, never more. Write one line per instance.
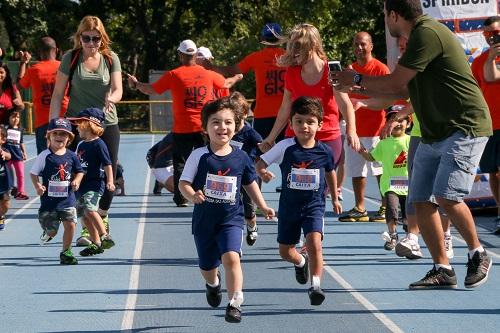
(491, 90)
(369, 122)
(192, 87)
(269, 80)
(42, 78)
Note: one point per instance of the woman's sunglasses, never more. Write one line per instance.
(94, 39)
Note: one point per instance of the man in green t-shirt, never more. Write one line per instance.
(455, 124)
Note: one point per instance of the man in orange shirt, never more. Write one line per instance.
(41, 77)
(192, 87)
(486, 68)
(368, 125)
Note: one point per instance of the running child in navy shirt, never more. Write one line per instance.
(61, 175)
(15, 144)
(247, 139)
(5, 178)
(305, 163)
(94, 158)
(212, 179)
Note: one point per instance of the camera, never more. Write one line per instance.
(496, 38)
(334, 66)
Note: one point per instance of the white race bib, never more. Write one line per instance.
(58, 189)
(13, 136)
(304, 179)
(398, 184)
(221, 187)
(236, 144)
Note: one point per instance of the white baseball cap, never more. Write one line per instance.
(187, 47)
(204, 53)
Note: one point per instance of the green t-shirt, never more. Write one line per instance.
(393, 153)
(88, 89)
(444, 94)
(415, 130)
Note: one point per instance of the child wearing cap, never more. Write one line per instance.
(392, 152)
(17, 149)
(61, 174)
(5, 178)
(94, 158)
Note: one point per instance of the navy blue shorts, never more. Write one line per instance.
(289, 229)
(211, 247)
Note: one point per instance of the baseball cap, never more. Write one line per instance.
(271, 34)
(60, 124)
(94, 115)
(204, 53)
(187, 46)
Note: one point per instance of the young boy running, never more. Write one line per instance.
(305, 163)
(61, 175)
(94, 157)
(212, 179)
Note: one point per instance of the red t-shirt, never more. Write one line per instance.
(269, 80)
(192, 87)
(297, 87)
(369, 122)
(42, 78)
(6, 104)
(491, 90)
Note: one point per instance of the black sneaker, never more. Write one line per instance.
(233, 314)
(91, 250)
(497, 226)
(441, 278)
(214, 294)
(302, 273)
(391, 239)
(317, 296)
(251, 236)
(157, 188)
(477, 269)
(13, 191)
(66, 258)
(354, 215)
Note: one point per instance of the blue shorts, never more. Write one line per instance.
(289, 229)
(445, 169)
(211, 247)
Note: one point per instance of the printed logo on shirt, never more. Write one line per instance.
(275, 82)
(195, 97)
(401, 160)
(84, 163)
(59, 182)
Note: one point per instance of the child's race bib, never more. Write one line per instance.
(58, 189)
(398, 184)
(13, 136)
(221, 187)
(304, 179)
(236, 144)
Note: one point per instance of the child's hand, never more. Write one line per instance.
(25, 157)
(268, 212)
(198, 197)
(75, 185)
(2, 154)
(40, 189)
(337, 207)
(110, 186)
(267, 176)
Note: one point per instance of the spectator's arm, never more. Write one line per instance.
(490, 69)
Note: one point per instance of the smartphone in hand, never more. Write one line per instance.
(334, 66)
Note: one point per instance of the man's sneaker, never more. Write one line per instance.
(233, 314)
(252, 236)
(440, 278)
(214, 294)
(390, 240)
(477, 269)
(278, 189)
(354, 215)
(66, 258)
(45, 238)
(21, 196)
(105, 221)
(497, 227)
(107, 242)
(448, 246)
(316, 296)
(182, 204)
(91, 250)
(408, 248)
(379, 215)
(302, 273)
(157, 188)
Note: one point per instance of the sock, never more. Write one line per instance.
(477, 249)
(448, 267)
(412, 237)
(302, 262)
(315, 282)
(237, 299)
(447, 233)
(216, 283)
(254, 228)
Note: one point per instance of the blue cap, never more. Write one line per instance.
(94, 115)
(60, 124)
(271, 32)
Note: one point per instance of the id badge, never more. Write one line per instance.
(304, 179)
(13, 136)
(58, 189)
(221, 187)
(398, 184)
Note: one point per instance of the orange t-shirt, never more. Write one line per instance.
(322, 90)
(491, 90)
(369, 122)
(192, 87)
(42, 78)
(269, 80)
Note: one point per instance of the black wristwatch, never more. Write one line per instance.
(357, 79)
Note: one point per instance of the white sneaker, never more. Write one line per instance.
(45, 238)
(448, 245)
(408, 248)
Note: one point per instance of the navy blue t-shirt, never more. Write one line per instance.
(14, 141)
(93, 156)
(302, 174)
(220, 178)
(247, 139)
(57, 172)
(5, 177)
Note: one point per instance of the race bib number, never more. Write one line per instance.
(304, 179)
(58, 189)
(221, 187)
(398, 184)
(236, 144)
(13, 136)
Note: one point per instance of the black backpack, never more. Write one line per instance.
(75, 55)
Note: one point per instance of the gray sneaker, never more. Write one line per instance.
(408, 248)
(478, 268)
(440, 278)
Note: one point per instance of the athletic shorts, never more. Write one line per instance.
(356, 166)
(445, 169)
(88, 202)
(50, 220)
(289, 229)
(211, 247)
(162, 174)
(490, 161)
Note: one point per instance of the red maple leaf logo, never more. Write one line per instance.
(401, 159)
(302, 165)
(223, 173)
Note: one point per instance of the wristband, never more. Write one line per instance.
(357, 79)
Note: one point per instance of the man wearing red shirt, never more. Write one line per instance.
(368, 125)
(486, 70)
